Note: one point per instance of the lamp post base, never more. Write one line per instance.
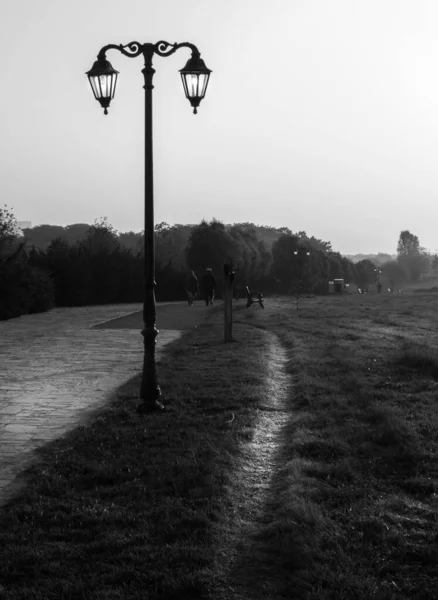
(149, 389)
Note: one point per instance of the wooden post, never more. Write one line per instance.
(228, 303)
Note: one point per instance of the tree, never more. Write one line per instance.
(23, 289)
(394, 273)
(10, 246)
(101, 254)
(316, 243)
(348, 269)
(312, 267)
(211, 245)
(435, 264)
(294, 266)
(408, 244)
(40, 236)
(410, 255)
(101, 237)
(8, 223)
(254, 257)
(335, 266)
(75, 233)
(62, 263)
(132, 241)
(365, 273)
(381, 258)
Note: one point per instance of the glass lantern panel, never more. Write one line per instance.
(192, 85)
(94, 86)
(183, 79)
(99, 86)
(104, 81)
(113, 84)
(203, 80)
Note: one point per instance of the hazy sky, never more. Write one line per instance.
(321, 115)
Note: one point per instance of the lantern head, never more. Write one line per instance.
(103, 80)
(195, 76)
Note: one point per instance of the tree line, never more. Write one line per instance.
(94, 264)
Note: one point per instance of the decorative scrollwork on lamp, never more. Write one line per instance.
(132, 49)
(163, 48)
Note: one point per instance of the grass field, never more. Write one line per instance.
(300, 461)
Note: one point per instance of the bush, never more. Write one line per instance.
(23, 290)
(42, 291)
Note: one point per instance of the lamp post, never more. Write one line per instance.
(378, 270)
(103, 80)
(303, 252)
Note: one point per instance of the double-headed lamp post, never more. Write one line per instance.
(378, 270)
(103, 79)
(303, 252)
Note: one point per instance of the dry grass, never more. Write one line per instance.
(129, 506)
(353, 511)
(300, 461)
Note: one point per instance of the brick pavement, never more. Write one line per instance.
(55, 371)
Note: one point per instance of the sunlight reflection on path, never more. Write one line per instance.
(256, 470)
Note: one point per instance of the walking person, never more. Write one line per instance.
(208, 285)
(191, 287)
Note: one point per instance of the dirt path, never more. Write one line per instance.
(261, 461)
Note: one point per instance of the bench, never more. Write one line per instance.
(253, 298)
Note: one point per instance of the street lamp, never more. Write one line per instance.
(303, 252)
(103, 80)
(378, 270)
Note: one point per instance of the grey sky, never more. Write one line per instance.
(321, 115)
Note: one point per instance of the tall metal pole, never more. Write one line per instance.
(228, 301)
(149, 390)
(103, 71)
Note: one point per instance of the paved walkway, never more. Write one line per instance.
(54, 371)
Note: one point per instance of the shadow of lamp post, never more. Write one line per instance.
(103, 79)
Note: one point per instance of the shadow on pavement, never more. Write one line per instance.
(169, 316)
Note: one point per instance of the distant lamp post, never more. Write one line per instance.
(377, 271)
(103, 80)
(304, 253)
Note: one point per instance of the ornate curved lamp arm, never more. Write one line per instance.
(134, 49)
(165, 49)
(195, 74)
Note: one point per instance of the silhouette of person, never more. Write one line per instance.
(208, 285)
(191, 287)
